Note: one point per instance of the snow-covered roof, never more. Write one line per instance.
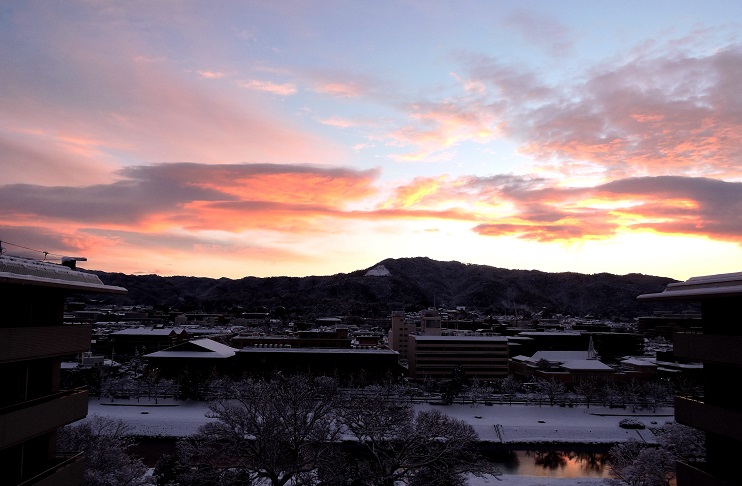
(269, 350)
(458, 338)
(198, 348)
(559, 355)
(549, 333)
(634, 361)
(698, 288)
(569, 360)
(148, 331)
(585, 365)
(680, 366)
(46, 274)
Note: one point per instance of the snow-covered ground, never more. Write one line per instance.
(498, 423)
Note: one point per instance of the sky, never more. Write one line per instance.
(296, 138)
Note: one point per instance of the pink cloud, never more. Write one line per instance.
(437, 127)
(37, 157)
(143, 112)
(285, 89)
(658, 116)
(211, 74)
(345, 90)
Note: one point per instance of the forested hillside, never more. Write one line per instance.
(403, 284)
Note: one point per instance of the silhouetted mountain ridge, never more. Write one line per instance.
(409, 284)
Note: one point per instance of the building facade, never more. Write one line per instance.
(480, 357)
(399, 334)
(717, 410)
(33, 341)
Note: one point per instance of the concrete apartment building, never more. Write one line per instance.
(399, 334)
(480, 357)
(717, 344)
(33, 342)
(429, 353)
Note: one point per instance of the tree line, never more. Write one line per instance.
(306, 430)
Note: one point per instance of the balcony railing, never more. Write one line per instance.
(708, 348)
(25, 420)
(68, 470)
(710, 418)
(21, 343)
(693, 474)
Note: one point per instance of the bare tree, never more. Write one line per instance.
(612, 394)
(105, 442)
(553, 389)
(273, 432)
(152, 378)
(685, 443)
(588, 389)
(397, 444)
(634, 463)
(510, 386)
(657, 391)
(632, 392)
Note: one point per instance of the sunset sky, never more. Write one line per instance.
(264, 138)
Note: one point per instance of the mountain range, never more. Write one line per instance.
(408, 284)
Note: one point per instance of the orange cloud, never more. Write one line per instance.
(531, 209)
(416, 192)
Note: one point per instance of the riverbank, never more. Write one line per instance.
(504, 424)
(499, 425)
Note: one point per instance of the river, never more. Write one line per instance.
(576, 461)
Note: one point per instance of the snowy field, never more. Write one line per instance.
(498, 423)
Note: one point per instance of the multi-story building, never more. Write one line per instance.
(480, 357)
(33, 341)
(399, 334)
(717, 345)
(430, 322)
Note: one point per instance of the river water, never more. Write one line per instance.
(575, 462)
(553, 463)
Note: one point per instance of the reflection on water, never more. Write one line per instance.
(554, 464)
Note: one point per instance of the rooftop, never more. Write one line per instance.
(699, 288)
(26, 271)
(452, 338)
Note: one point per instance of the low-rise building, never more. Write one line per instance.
(568, 367)
(200, 358)
(347, 364)
(143, 340)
